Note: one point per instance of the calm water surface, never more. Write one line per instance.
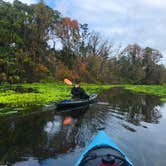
(136, 122)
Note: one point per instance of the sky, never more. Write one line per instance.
(121, 21)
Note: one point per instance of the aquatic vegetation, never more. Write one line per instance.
(38, 94)
(157, 90)
(44, 93)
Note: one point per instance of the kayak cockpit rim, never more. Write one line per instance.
(121, 156)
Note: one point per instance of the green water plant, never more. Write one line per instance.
(44, 94)
(157, 90)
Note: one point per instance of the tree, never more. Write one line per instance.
(67, 31)
(151, 57)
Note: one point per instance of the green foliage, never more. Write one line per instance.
(137, 65)
(24, 33)
(149, 89)
(46, 92)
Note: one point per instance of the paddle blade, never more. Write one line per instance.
(67, 121)
(67, 81)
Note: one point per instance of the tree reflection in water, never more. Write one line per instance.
(134, 107)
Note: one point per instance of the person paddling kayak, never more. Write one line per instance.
(78, 92)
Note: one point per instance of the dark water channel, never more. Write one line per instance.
(136, 122)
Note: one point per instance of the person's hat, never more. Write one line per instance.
(77, 81)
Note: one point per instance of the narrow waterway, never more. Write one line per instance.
(135, 121)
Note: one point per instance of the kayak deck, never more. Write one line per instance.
(100, 147)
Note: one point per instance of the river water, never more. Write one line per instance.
(135, 121)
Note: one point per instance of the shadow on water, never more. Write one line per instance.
(57, 138)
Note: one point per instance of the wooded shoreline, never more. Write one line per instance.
(30, 34)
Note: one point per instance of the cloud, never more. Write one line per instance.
(156, 4)
(24, 1)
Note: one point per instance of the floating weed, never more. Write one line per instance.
(157, 90)
(47, 92)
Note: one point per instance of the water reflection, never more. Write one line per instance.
(44, 139)
(53, 127)
(133, 107)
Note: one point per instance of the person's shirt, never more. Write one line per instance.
(79, 93)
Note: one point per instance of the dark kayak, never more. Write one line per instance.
(67, 104)
(102, 151)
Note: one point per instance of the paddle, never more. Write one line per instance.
(67, 120)
(67, 81)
